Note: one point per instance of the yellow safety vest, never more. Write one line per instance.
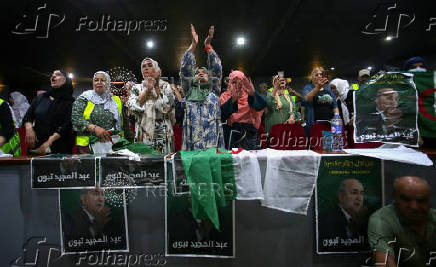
(84, 140)
(13, 145)
(355, 86)
(286, 92)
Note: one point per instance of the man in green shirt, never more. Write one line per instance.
(404, 233)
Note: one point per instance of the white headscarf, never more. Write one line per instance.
(153, 62)
(342, 87)
(105, 98)
(20, 107)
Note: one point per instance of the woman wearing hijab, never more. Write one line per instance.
(19, 106)
(98, 117)
(280, 105)
(341, 89)
(48, 119)
(242, 107)
(152, 103)
(202, 121)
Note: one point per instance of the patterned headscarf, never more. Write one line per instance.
(236, 74)
(201, 68)
(105, 98)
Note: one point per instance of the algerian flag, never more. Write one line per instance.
(425, 85)
(212, 176)
(215, 177)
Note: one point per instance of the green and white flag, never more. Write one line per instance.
(425, 85)
(215, 176)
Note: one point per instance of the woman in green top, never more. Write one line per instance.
(280, 105)
(98, 117)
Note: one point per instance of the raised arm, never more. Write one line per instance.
(188, 64)
(213, 62)
(319, 82)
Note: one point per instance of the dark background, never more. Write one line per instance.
(293, 36)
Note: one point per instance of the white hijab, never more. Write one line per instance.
(105, 98)
(342, 87)
(153, 62)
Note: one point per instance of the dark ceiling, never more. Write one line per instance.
(292, 35)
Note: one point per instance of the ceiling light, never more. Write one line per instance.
(150, 44)
(388, 38)
(240, 41)
(70, 75)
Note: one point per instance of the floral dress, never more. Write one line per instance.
(153, 119)
(202, 127)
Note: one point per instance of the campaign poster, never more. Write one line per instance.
(63, 171)
(92, 220)
(348, 191)
(122, 172)
(386, 110)
(179, 180)
(187, 236)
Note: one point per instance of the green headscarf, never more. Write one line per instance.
(198, 91)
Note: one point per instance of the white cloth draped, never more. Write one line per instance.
(290, 179)
(395, 152)
(247, 176)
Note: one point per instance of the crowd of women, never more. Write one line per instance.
(210, 117)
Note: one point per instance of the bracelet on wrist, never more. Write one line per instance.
(207, 48)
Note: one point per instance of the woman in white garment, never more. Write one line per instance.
(341, 89)
(152, 103)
